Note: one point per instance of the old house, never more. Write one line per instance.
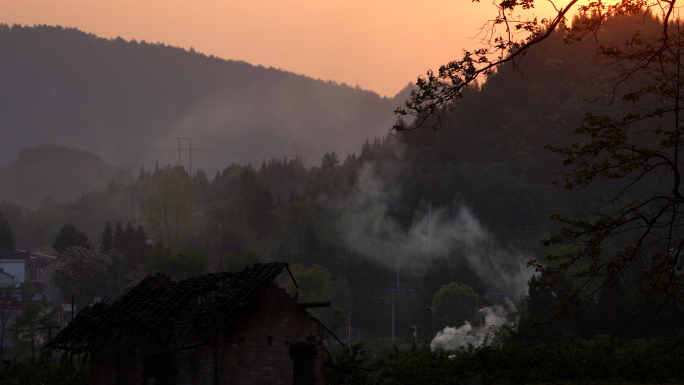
(29, 268)
(220, 328)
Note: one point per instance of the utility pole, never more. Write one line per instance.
(430, 229)
(394, 291)
(190, 150)
(481, 324)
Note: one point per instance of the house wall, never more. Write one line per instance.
(258, 345)
(255, 346)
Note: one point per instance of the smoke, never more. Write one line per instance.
(451, 338)
(369, 230)
(251, 124)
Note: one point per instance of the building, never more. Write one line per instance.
(28, 267)
(220, 328)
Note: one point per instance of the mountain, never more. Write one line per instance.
(58, 172)
(129, 102)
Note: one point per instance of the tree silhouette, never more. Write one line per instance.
(67, 237)
(7, 242)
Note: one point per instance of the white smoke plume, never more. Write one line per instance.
(369, 230)
(451, 337)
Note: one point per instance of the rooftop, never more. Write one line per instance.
(164, 312)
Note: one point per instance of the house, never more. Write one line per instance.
(29, 267)
(10, 294)
(219, 328)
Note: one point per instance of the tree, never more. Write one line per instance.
(295, 218)
(179, 265)
(453, 304)
(32, 325)
(107, 240)
(170, 206)
(7, 242)
(119, 275)
(68, 237)
(8, 309)
(132, 244)
(235, 263)
(312, 283)
(254, 203)
(302, 150)
(634, 233)
(81, 272)
(330, 171)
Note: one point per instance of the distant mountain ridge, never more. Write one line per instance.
(128, 102)
(52, 171)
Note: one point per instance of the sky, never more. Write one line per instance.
(380, 45)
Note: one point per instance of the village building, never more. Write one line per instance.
(27, 268)
(219, 328)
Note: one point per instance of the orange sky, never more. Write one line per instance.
(379, 45)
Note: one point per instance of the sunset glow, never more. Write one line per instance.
(379, 45)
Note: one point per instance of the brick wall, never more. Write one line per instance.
(258, 340)
(254, 346)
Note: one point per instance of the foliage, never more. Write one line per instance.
(350, 365)
(605, 359)
(68, 237)
(236, 263)
(118, 276)
(179, 265)
(107, 239)
(633, 236)
(7, 312)
(302, 150)
(7, 242)
(311, 283)
(170, 207)
(295, 219)
(47, 371)
(81, 272)
(628, 157)
(492, 163)
(143, 101)
(133, 245)
(453, 304)
(29, 330)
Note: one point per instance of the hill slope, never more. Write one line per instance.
(129, 102)
(54, 171)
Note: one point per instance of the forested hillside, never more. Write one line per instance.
(414, 210)
(128, 102)
(53, 173)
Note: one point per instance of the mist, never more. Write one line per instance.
(369, 230)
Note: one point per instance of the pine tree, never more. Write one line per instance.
(7, 242)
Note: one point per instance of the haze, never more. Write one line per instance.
(378, 45)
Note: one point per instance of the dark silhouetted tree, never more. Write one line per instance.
(7, 242)
(67, 237)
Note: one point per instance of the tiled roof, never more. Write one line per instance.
(161, 312)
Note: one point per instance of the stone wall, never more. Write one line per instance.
(259, 344)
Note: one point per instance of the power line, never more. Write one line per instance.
(189, 148)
